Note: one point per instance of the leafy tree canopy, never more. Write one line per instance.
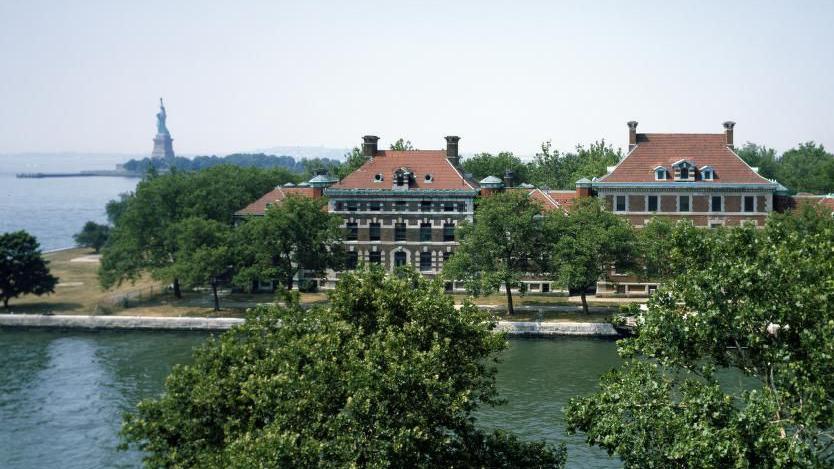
(143, 236)
(296, 235)
(487, 164)
(758, 302)
(353, 160)
(23, 270)
(806, 168)
(556, 170)
(505, 243)
(92, 235)
(389, 375)
(588, 242)
(402, 145)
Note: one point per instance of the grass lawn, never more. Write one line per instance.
(78, 292)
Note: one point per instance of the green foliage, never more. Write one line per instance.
(388, 375)
(243, 160)
(23, 270)
(587, 243)
(402, 145)
(661, 245)
(505, 242)
(296, 235)
(758, 301)
(806, 168)
(556, 170)
(487, 164)
(92, 235)
(205, 254)
(353, 160)
(144, 233)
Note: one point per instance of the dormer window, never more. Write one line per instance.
(707, 173)
(403, 178)
(378, 177)
(660, 173)
(428, 178)
(684, 171)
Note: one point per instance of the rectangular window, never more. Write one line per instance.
(352, 206)
(375, 206)
(461, 207)
(340, 206)
(425, 261)
(425, 206)
(448, 232)
(351, 259)
(400, 206)
(352, 232)
(684, 173)
(448, 207)
(446, 256)
(425, 231)
(651, 203)
(683, 203)
(545, 288)
(749, 203)
(373, 232)
(374, 257)
(716, 204)
(620, 203)
(399, 232)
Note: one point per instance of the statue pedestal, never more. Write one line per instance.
(163, 146)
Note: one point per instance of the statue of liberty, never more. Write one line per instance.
(160, 119)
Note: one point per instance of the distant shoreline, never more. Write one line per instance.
(94, 173)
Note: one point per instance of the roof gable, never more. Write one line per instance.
(444, 176)
(667, 150)
(274, 196)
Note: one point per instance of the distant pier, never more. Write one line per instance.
(98, 173)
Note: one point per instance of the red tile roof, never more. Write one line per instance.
(276, 195)
(419, 162)
(551, 200)
(700, 149)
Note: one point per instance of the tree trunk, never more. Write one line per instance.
(6, 303)
(216, 299)
(584, 302)
(177, 290)
(289, 283)
(510, 310)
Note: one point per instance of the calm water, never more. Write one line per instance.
(53, 209)
(62, 393)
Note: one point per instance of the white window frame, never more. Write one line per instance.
(647, 203)
(711, 173)
(723, 204)
(755, 202)
(659, 169)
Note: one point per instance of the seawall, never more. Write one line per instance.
(512, 328)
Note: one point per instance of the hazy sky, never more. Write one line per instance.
(86, 76)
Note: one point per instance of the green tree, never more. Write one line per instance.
(390, 374)
(556, 170)
(487, 164)
(143, 237)
(353, 160)
(660, 244)
(588, 243)
(92, 235)
(23, 270)
(402, 145)
(807, 168)
(205, 254)
(762, 157)
(505, 243)
(297, 235)
(759, 303)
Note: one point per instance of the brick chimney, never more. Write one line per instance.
(728, 133)
(452, 150)
(369, 143)
(583, 188)
(508, 178)
(632, 135)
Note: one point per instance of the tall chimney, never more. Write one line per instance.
(632, 135)
(452, 150)
(508, 178)
(369, 145)
(728, 133)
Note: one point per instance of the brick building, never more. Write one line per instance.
(681, 176)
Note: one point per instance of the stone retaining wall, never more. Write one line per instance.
(512, 328)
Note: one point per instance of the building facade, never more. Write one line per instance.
(696, 177)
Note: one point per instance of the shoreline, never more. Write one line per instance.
(48, 321)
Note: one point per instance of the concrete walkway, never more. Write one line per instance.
(512, 328)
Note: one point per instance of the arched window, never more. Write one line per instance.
(707, 173)
(660, 173)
